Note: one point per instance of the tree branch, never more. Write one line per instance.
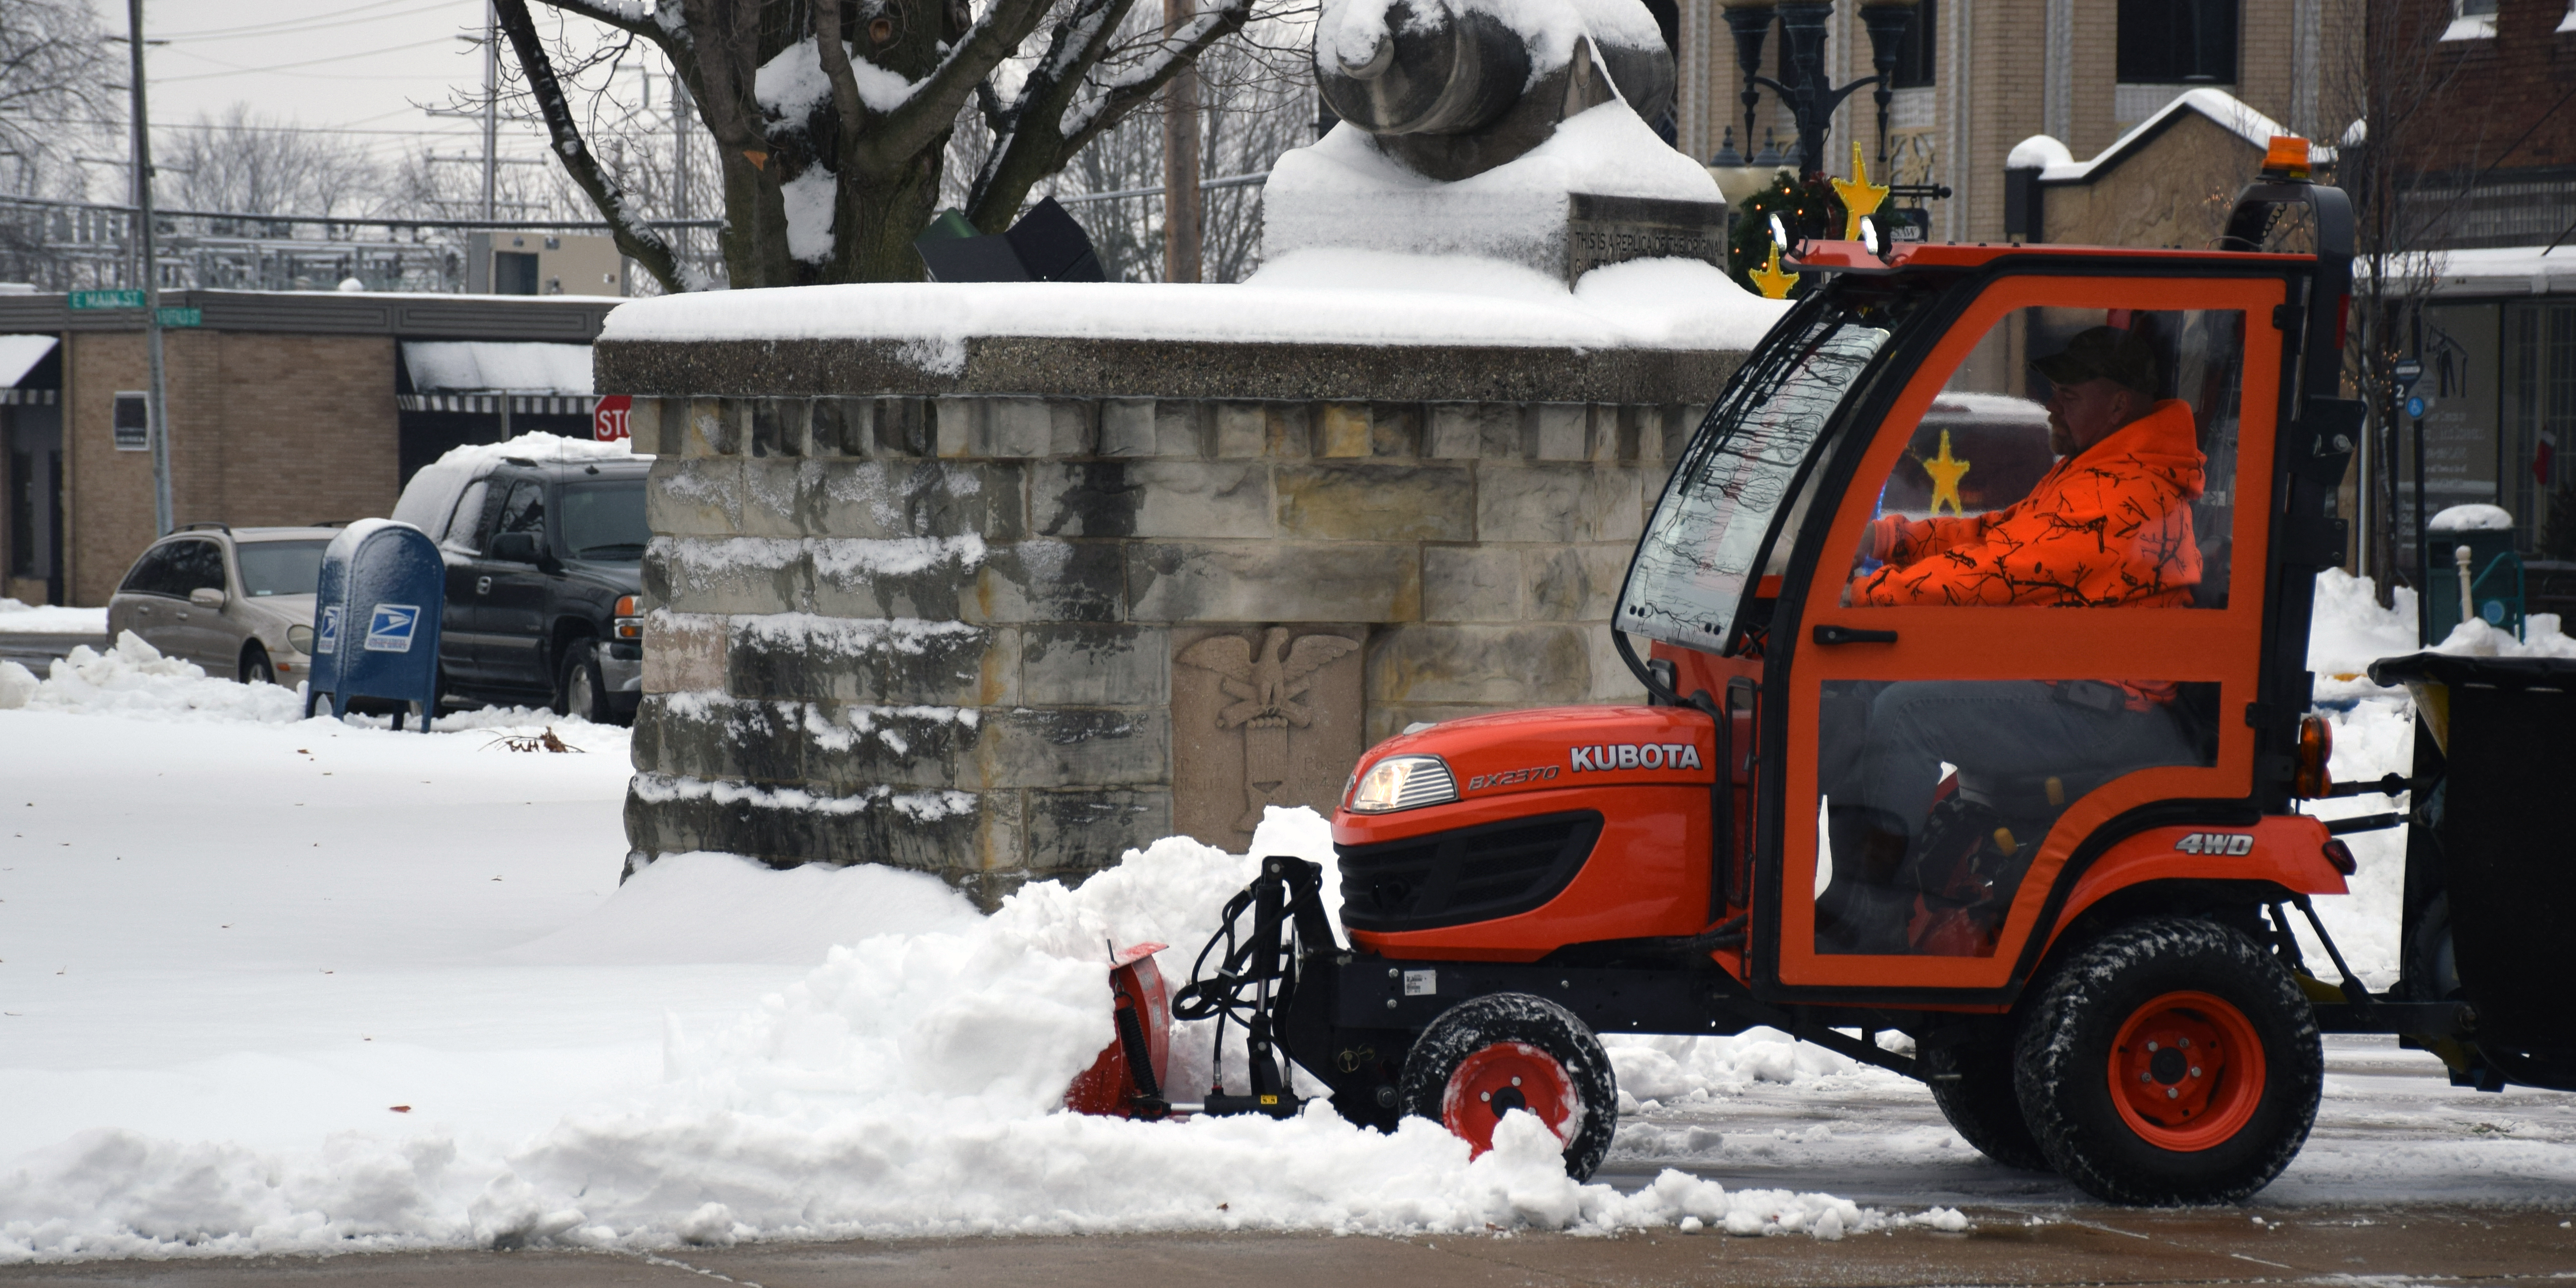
(634, 238)
(931, 111)
(634, 18)
(836, 68)
(1030, 154)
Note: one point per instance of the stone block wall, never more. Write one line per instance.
(1001, 636)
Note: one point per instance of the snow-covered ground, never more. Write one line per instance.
(50, 619)
(274, 984)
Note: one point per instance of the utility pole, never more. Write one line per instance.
(491, 109)
(1181, 221)
(155, 410)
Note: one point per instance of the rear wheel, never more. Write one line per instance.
(1488, 1056)
(2174, 1061)
(1972, 1081)
(255, 667)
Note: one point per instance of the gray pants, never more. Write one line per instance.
(2004, 730)
(1884, 744)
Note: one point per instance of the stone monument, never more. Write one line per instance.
(996, 580)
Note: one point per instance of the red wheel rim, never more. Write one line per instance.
(1498, 1079)
(2187, 1071)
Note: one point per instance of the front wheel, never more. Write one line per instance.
(2174, 1061)
(583, 694)
(255, 666)
(1490, 1055)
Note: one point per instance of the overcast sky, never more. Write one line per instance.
(354, 66)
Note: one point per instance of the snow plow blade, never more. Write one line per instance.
(1127, 1080)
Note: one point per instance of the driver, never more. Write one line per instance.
(2109, 526)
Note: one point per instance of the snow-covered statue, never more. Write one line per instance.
(1454, 88)
(1512, 130)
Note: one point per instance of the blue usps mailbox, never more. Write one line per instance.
(376, 615)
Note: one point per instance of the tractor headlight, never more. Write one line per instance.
(1404, 782)
(300, 638)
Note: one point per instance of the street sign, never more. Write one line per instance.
(608, 417)
(107, 299)
(2415, 407)
(181, 317)
(2407, 371)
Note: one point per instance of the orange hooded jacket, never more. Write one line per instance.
(2107, 527)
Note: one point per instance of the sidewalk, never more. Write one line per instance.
(2076, 1246)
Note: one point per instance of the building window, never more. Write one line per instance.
(2540, 419)
(2179, 42)
(1914, 58)
(2471, 20)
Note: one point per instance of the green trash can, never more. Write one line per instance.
(2495, 581)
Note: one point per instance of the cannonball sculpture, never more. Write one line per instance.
(1453, 89)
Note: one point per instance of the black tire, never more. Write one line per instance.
(580, 692)
(2169, 975)
(255, 667)
(1514, 1026)
(1972, 1081)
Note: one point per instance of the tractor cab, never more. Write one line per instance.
(1977, 613)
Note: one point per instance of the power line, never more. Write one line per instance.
(294, 27)
(238, 70)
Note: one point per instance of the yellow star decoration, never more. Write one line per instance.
(1774, 283)
(1945, 470)
(1861, 198)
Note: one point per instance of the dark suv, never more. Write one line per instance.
(544, 567)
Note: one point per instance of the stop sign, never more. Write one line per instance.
(608, 418)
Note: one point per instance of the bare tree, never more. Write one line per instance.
(242, 162)
(1256, 101)
(55, 71)
(2391, 85)
(832, 118)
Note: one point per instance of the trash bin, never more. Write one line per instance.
(377, 610)
(2501, 727)
(2495, 582)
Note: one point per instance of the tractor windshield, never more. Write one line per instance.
(1689, 574)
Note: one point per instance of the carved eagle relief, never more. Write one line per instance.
(1268, 682)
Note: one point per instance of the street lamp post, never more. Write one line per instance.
(1809, 93)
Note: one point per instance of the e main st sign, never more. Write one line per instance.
(86, 301)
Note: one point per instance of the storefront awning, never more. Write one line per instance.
(492, 366)
(19, 355)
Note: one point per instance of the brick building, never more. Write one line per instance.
(1980, 76)
(283, 408)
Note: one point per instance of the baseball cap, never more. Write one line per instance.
(2103, 353)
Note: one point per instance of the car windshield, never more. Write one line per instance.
(1699, 550)
(279, 567)
(604, 521)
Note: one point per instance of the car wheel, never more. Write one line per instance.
(2174, 1061)
(579, 691)
(255, 667)
(1490, 1055)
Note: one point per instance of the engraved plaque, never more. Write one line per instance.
(1262, 716)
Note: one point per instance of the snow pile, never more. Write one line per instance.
(2471, 518)
(910, 1085)
(133, 679)
(2348, 630)
(50, 619)
(1343, 192)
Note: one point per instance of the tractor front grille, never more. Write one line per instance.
(1471, 874)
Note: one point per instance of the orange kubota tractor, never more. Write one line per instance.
(1976, 716)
